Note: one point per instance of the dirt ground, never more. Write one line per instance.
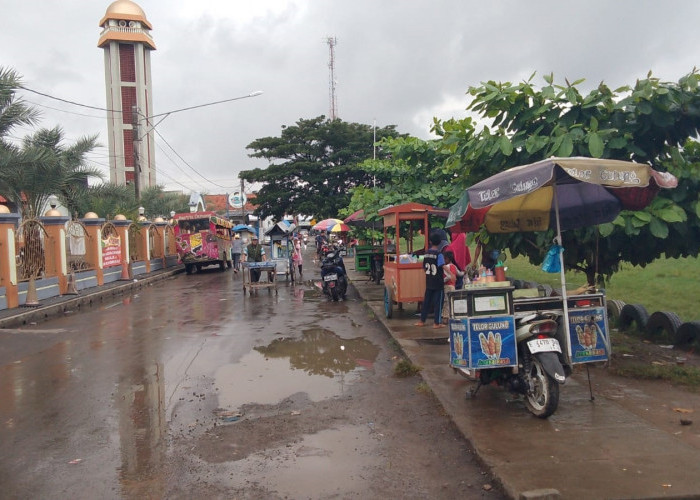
(673, 407)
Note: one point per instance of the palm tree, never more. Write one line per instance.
(13, 113)
(55, 169)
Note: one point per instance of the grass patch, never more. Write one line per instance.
(404, 368)
(664, 285)
(684, 375)
(423, 388)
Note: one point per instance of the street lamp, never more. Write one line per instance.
(142, 211)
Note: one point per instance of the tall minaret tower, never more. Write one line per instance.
(127, 44)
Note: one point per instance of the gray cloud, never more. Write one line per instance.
(397, 62)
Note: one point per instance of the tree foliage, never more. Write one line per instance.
(650, 122)
(313, 166)
(412, 170)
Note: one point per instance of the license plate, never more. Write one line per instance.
(330, 277)
(543, 345)
(343, 253)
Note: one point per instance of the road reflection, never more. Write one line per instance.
(321, 352)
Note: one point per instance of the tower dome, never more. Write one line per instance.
(125, 21)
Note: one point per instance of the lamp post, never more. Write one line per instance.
(142, 211)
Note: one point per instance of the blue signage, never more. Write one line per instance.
(484, 342)
(587, 335)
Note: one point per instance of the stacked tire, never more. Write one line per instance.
(688, 336)
(633, 314)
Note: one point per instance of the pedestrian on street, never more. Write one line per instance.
(237, 250)
(450, 271)
(297, 257)
(254, 253)
(433, 262)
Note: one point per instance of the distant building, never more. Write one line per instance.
(127, 45)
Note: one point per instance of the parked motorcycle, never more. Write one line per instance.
(540, 368)
(376, 267)
(334, 281)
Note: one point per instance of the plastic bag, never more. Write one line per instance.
(551, 262)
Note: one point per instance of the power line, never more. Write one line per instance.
(185, 162)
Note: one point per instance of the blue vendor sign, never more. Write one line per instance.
(484, 342)
(588, 335)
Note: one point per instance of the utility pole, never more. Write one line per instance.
(135, 142)
(332, 41)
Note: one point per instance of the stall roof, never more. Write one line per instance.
(414, 207)
(281, 228)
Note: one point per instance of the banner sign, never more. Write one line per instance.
(482, 343)
(111, 251)
(588, 336)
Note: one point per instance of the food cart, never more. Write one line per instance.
(499, 303)
(368, 258)
(281, 248)
(406, 230)
(268, 276)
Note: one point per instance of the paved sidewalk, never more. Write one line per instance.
(587, 449)
(11, 318)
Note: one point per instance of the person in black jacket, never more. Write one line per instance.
(433, 260)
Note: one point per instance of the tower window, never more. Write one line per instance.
(128, 148)
(127, 66)
(128, 100)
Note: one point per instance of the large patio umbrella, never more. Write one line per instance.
(558, 193)
(331, 225)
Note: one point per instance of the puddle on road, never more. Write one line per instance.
(319, 363)
(334, 461)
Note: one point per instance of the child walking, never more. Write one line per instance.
(449, 271)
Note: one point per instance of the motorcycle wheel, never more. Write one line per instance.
(334, 294)
(544, 398)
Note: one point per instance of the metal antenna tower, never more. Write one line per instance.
(333, 114)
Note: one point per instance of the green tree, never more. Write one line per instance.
(314, 166)
(413, 170)
(13, 113)
(649, 123)
(54, 169)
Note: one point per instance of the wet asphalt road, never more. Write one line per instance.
(139, 397)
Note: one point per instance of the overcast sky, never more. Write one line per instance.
(397, 62)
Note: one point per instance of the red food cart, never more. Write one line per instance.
(406, 230)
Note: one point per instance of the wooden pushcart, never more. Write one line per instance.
(406, 229)
(268, 275)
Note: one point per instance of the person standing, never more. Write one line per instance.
(236, 250)
(297, 258)
(450, 272)
(254, 253)
(433, 262)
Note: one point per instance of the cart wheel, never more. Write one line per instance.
(388, 303)
(189, 268)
